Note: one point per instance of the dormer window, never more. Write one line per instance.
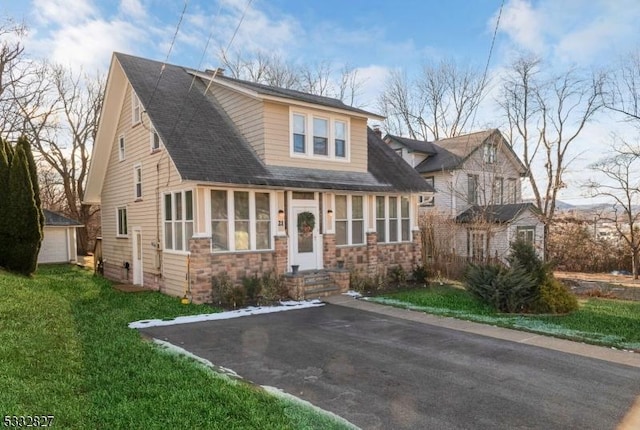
(330, 136)
(490, 153)
(155, 141)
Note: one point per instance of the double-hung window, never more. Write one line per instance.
(299, 134)
(490, 153)
(121, 222)
(512, 190)
(121, 152)
(472, 189)
(527, 234)
(498, 191)
(155, 141)
(240, 220)
(320, 136)
(393, 219)
(329, 136)
(137, 182)
(178, 220)
(349, 220)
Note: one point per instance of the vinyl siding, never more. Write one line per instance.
(247, 114)
(278, 141)
(174, 272)
(118, 191)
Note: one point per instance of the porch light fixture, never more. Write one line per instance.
(280, 218)
(330, 213)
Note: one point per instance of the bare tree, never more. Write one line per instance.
(622, 93)
(441, 102)
(60, 113)
(545, 116)
(271, 69)
(12, 73)
(621, 185)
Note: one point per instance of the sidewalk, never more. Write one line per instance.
(570, 347)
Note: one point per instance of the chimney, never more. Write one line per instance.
(218, 72)
(377, 131)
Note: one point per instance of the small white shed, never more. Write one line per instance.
(59, 239)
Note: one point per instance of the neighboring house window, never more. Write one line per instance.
(426, 199)
(490, 153)
(137, 181)
(340, 128)
(240, 220)
(399, 152)
(320, 136)
(404, 218)
(381, 216)
(155, 141)
(178, 220)
(135, 108)
(528, 234)
(349, 220)
(299, 134)
(477, 245)
(498, 191)
(329, 136)
(121, 148)
(121, 221)
(472, 189)
(512, 191)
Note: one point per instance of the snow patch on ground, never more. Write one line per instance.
(354, 294)
(181, 351)
(252, 310)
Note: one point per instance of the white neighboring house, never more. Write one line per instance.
(59, 239)
(477, 178)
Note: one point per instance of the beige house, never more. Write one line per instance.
(477, 178)
(199, 174)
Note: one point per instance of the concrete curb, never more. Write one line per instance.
(570, 347)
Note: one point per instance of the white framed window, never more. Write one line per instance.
(121, 149)
(135, 108)
(472, 189)
(527, 233)
(490, 153)
(393, 219)
(178, 220)
(240, 220)
(340, 139)
(121, 222)
(405, 225)
(154, 141)
(498, 191)
(349, 216)
(329, 136)
(512, 191)
(137, 182)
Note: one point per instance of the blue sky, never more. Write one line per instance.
(374, 36)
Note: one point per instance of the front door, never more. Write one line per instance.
(137, 257)
(304, 235)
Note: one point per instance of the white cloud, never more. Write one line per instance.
(63, 12)
(133, 9)
(523, 24)
(373, 79)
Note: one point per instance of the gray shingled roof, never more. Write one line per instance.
(496, 213)
(414, 144)
(205, 145)
(294, 95)
(54, 219)
(452, 152)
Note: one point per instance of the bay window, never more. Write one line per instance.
(405, 227)
(240, 220)
(381, 217)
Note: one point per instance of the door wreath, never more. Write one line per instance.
(306, 222)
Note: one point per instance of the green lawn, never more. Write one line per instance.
(66, 350)
(599, 321)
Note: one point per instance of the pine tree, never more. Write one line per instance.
(33, 173)
(24, 217)
(4, 204)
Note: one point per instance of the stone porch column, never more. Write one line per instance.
(417, 247)
(200, 269)
(372, 253)
(329, 250)
(281, 244)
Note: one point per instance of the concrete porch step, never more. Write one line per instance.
(321, 291)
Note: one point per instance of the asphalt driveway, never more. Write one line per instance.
(381, 372)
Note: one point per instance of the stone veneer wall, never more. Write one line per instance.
(205, 264)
